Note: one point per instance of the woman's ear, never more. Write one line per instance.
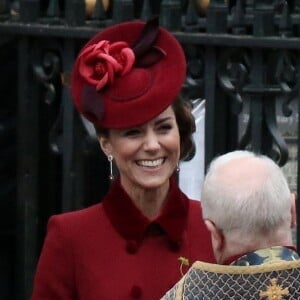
(105, 145)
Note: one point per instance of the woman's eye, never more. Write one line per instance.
(165, 127)
(132, 132)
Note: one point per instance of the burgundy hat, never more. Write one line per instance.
(128, 74)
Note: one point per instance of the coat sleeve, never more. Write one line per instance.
(54, 278)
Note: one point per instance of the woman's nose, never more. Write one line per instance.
(151, 141)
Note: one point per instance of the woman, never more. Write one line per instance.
(134, 244)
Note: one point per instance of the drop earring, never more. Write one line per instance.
(178, 167)
(110, 160)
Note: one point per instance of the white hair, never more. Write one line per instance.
(246, 194)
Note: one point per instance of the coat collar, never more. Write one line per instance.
(265, 255)
(128, 220)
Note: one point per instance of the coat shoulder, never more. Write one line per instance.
(79, 220)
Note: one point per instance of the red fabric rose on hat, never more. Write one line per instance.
(101, 62)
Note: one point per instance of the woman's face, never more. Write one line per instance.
(146, 155)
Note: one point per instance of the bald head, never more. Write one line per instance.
(246, 192)
(246, 172)
(246, 204)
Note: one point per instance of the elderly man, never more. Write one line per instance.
(249, 211)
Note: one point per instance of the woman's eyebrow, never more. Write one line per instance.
(162, 120)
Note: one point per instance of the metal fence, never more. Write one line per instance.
(243, 58)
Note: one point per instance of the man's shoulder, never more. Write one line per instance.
(212, 281)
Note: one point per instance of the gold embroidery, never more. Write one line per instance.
(274, 291)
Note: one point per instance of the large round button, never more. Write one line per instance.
(174, 246)
(132, 246)
(136, 292)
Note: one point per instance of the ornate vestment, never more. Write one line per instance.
(266, 274)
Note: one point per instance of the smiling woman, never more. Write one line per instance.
(146, 157)
(127, 81)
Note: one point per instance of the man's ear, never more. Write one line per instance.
(216, 235)
(293, 211)
(105, 145)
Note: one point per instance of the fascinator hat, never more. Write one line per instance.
(127, 74)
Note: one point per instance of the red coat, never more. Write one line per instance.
(112, 251)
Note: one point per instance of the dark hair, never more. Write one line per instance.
(101, 131)
(186, 125)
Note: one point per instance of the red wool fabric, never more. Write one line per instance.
(89, 254)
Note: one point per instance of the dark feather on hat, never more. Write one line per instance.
(92, 106)
(147, 54)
